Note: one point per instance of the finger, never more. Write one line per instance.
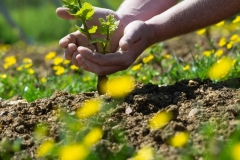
(69, 51)
(74, 59)
(131, 36)
(63, 13)
(76, 37)
(99, 69)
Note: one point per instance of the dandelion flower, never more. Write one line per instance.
(136, 67)
(220, 23)
(119, 87)
(179, 139)
(93, 136)
(219, 53)
(50, 56)
(148, 58)
(57, 60)
(89, 108)
(222, 42)
(187, 67)
(45, 148)
(145, 153)
(30, 71)
(73, 152)
(9, 61)
(207, 53)
(160, 119)
(201, 31)
(43, 80)
(236, 20)
(3, 76)
(221, 68)
(73, 67)
(167, 56)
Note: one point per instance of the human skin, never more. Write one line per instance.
(185, 17)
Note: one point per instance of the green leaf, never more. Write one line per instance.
(99, 40)
(82, 30)
(109, 25)
(93, 29)
(86, 12)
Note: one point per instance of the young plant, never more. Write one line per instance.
(84, 11)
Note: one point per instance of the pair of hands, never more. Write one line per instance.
(127, 43)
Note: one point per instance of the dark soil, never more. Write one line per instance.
(193, 102)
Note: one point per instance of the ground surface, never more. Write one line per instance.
(193, 102)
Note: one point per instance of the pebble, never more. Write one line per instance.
(128, 110)
(193, 112)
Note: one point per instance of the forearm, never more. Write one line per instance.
(190, 15)
(143, 9)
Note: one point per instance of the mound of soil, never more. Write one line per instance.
(194, 103)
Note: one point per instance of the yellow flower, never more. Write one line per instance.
(207, 53)
(179, 139)
(201, 31)
(230, 45)
(3, 76)
(220, 23)
(45, 148)
(93, 137)
(145, 153)
(66, 61)
(87, 78)
(219, 53)
(50, 56)
(221, 68)
(43, 80)
(28, 65)
(187, 67)
(119, 87)
(236, 20)
(19, 68)
(4, 47)
(89, 108)
(235, 38)
(167, 56)
(235, 151)
(136, 67)
(222, 42)
(73, 67)
(30, 71)
(9, 61)
(27, 60)
(73, 152)
(148, 58)
(160, 119)
(57, 60)
(59, 70)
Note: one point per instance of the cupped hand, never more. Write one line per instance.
(135, 40)
(73, 40)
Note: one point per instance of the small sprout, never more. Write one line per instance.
(160, 119)
(179, 139)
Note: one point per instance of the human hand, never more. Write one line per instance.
(137, 37)
(75, 39)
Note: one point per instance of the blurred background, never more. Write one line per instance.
(35, 21)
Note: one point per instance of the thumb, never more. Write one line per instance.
(63, 13)
(131, 35)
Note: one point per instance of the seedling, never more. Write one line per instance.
(85, 11)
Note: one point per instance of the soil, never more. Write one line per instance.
(193, 102)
